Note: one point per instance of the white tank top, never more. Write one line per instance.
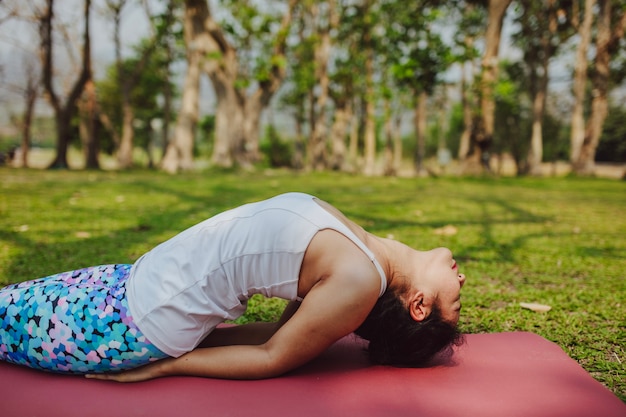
(183, 288)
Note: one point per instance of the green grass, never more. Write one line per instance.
(560, 242)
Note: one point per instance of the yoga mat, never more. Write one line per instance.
(499, 375)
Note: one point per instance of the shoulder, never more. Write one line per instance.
(333, 256)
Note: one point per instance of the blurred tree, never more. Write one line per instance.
(483, 123)
(580, 76)
(88, 125)
(351, 87)
(64, 112)
(417, 56)
(29, 89)
(247, 49)
(299, 89)
(612, 147)
(326, 18)
(609, 41)
(145, 99)
(128, 77)
(538, 39)
(470, 23)
(513, 114)
(179, 153)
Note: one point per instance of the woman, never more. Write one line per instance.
(159, 316)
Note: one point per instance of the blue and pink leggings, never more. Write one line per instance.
(75, 322)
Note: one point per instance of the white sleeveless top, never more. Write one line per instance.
(183, 288)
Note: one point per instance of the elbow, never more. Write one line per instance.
(274, 364)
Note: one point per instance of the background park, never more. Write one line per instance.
(495, 128)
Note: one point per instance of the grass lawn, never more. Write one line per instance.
(559, 242)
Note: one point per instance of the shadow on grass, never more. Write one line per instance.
(40, 254)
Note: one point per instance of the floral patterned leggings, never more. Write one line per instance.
(74, 322)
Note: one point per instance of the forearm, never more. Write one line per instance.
(228, 362)
(248, 334)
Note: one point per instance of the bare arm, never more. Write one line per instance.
(250, 333)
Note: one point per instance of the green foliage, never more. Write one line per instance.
(559, 242)
(415, 53)
(612, 146)
(253, 31)
(513, 119)
(205, 137)
(455, 130)
(277, 150)
(146, 95)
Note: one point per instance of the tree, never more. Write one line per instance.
(538, 40)
(88, 111)
(239, 106)
(319, 130)
(129, 76)
(610, 32)
(63, 111)
(417, 56)
(299, 90)
(179, 152)
(29, 90)
(144, 98)
(483, 124)
(580, 80)
(470, 24)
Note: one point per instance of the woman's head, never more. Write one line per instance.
(396, 339)
(432, 280)
(417, 316)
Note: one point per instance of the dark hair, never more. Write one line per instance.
(398, 340)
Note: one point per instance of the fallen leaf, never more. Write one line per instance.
(82, 235)
(540, 308)
(447, 230)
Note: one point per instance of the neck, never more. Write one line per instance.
(394, 258)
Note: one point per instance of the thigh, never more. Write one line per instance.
(76, 321)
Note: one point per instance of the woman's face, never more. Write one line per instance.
(441, 283)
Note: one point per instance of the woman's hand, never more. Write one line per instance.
(143, 373)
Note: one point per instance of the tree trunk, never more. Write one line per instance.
(89, 119)
(580, 81)
(353, 144)
(607, 38)
(167, 90)
(179, 152)
(420, 133)
(343, 114)
(369, 135)
(322, 54)
(389, 166)
(535, 153)
(540, 64)
(30, 95)
(63, 112)
(236, 119)
(125, 151)
(127, 82)
(397, 143)
(229, 132)
(483, 131)
(464, 142)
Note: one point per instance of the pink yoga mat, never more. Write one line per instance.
(499, 375)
